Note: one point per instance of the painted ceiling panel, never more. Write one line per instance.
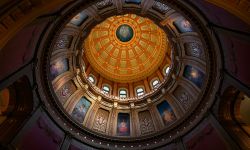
(126, 42)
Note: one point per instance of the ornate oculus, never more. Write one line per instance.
(124, 33)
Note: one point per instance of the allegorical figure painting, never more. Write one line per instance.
(59, 67)
(79, 19)
(166, 113)
(80, 110)
(123, 124)
(183, 25)
(194, 75)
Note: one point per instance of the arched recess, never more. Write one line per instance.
(17, 105)
(230, 116)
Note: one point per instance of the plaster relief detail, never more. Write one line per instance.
(66, 91)
(163, 8)
(183, 97)
(146, 123)
(104, 3)
(194, 49)
(101, 119)
(63, 41)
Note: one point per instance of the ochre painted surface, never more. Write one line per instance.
(131, 59)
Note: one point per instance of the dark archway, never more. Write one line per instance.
(230, 116)
(17, 106)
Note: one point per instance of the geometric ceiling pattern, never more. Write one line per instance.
(126, 48)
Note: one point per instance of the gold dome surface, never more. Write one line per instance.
(128, 60)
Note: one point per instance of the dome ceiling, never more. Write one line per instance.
(126, 48)
(119, 42)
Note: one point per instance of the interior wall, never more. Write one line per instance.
(21, 48)
(232, 33)
(220, 16)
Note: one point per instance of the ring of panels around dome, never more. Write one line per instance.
(155, 120)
